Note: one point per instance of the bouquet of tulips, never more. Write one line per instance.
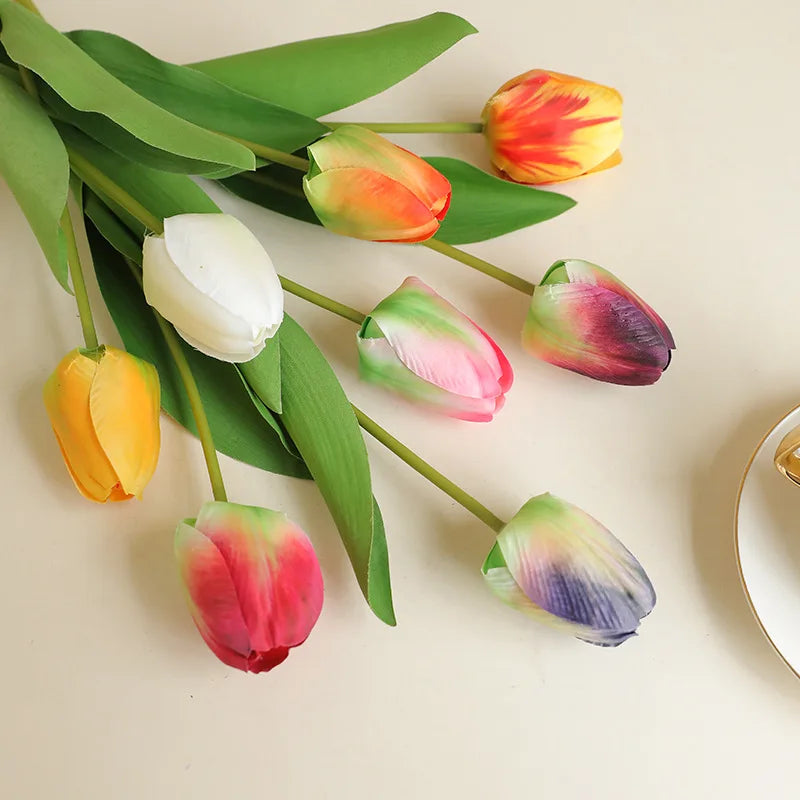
(198, 302)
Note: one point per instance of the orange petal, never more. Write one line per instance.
(66, 398)
(365, 204)
(124, 405)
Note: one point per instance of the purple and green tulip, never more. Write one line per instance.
(586, 320)
(562, 567)
(417, 344)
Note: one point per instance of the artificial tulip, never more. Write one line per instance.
(543, 127)
(252, 581)
(586, 320)
(211, 278)
(361, 185)
(104, 409)
(562, 567)
(419, 345)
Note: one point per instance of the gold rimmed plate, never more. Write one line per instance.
(767, 539)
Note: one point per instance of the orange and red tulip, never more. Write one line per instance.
(544, 127)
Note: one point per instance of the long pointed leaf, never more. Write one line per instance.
(317, 76)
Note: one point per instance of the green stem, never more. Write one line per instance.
(89, 173)
(271, 154)
(414, 127)
(509, 278)
(195, 401)
(78, 282)
(427, 471)
(322, 301)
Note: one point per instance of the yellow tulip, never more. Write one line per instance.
(105, 413)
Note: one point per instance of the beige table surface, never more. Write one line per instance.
(106, 690)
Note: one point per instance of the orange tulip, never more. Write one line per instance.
(544, 127)
(104, 409)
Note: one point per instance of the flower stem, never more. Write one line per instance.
(414, 127)
(90, 174)
(508, 278)
(427, 471)
(271, 154)
(195, 401)
(322, 301)
(78, 282)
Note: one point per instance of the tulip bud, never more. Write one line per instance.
(562, 567)
(211, 278)
(361, 185)
(104, 409)
(417, 344)
(543, 127)
(585, 319)
(252, 581)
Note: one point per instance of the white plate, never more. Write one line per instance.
(768, 545)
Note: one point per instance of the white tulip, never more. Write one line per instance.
(211, 278)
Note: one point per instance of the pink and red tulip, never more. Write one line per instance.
(252, 581)
(417, 344)
(586, 320)
(557, 564)
(361, 185)
(543, 127)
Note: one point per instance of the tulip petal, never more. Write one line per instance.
(595, 332)
(354, 146)
(379, 364)
(66, 398)
(124, 404)
(196, 315)
(224, 261)
(273, 567)
(570, 566)
(231, 356)
(211, 595)
(364, 204)
(440, 344)
(579, 271)
(544, 127)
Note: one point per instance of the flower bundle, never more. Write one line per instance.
(199, 305)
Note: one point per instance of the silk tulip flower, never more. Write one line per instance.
(252, 581)
(417, 344)
(562, 567)
(361, 185)
(211, 278)
(104, 409)
(586, 320)
(544, 127)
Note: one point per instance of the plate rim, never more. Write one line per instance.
(742, 579)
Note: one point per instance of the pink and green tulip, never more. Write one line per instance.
(586, 320)
(562, 567)
(252, 581)
(417, 344)
(361, 185)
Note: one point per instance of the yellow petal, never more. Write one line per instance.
(124, 406)
(66, 398)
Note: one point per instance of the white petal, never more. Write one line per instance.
(231, 356)
(197, 316)
(222, 258)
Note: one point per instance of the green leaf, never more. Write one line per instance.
(484, 206)
(163, 193)
(114, 111)
(322, 424)
(111, 229)
(237, 426)
(34, 163)
(197, 97)
(263, 374)
(317, 76)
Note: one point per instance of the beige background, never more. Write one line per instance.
(106, 691)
